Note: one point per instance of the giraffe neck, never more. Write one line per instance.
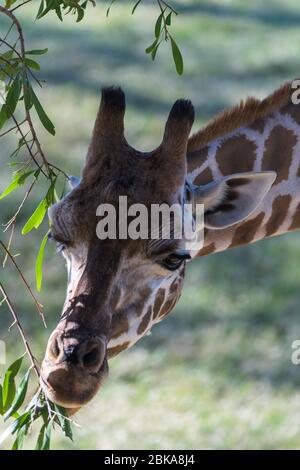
(269, 143)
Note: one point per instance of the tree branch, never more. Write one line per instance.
(22, 333)
(36, 302)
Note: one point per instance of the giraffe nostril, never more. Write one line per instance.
(92, 357)
(92, 354)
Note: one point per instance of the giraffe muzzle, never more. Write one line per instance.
(73, 369)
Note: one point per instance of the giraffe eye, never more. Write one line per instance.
(60, 246)
(174, 261)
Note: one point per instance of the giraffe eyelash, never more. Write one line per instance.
(60, 244)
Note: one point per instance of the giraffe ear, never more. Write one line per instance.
(233, 198)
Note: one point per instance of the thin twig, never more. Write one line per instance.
(9, 245)
(169, 6)
(37, 303)
(60, 170)
(12, 128)
(13, 219)
(18, 6)
(20, 328)
(23, 54)
(13, 48)
(9, 30)
(28, 148)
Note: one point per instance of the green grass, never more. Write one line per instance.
(217, 372)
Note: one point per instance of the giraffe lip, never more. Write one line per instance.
(54, 394)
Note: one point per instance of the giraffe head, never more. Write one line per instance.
(119, 287)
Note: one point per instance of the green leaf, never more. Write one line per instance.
(169, 19)
(13, 96)
(18, 179)
(22, 177)
(177, 57)
(41, 114)
(37, 51)
(11, 101)
(40, 10)
(157, 28)
(43, 442)
(39, 263)
(40, 438)
(8, 390)
(19, 397)
(154, 51)
(108, 10)
(36, 218)
(18, 443)
(1, 401)
(80, 14)
(50, 196)
(4, 56)
(47, 436)
(135, 6)
(27, 96)
(50, 5)
(15, 366)
(11, 187)
(64, 422)
(9, 3)
(32, 64)
(21, 421)
(3, 117)
(58, 12)
(151, 47)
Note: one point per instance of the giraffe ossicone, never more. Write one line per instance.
(118, 288)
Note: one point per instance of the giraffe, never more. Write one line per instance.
(243, 167)
(254, 136)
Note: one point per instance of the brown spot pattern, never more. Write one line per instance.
(258, 125)
(117, 349)
(246, 232)
(158, 302)
(279, 210)
(204, 177)
(279, 147)
(206, 250)
(145, 322)
(197, 158)
(236, 155)
(120, 325)
(293, 110)
(296, 219)
(173, 286)
(167, 308)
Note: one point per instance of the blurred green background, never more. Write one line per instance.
(217, 373)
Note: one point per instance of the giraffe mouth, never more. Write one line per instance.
(73, 370)
(69, 388)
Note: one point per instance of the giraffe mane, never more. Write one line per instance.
(245, 113)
